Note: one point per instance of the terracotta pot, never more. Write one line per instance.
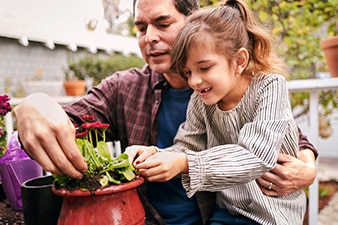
(113, 205)
(330, 49)
(75, 88)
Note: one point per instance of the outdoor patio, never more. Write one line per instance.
(314, 86)
(36, 60)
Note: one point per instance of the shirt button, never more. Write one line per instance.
(156, 101)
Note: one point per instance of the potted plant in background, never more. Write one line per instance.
(97, 68)
(107, 193)
(74, 84)
(330, 45)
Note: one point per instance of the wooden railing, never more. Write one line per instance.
(314, 86)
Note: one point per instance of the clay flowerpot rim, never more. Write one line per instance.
(327, 43)
(106, 190)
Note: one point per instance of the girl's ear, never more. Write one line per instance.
(242, 60)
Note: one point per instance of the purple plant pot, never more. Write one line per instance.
(13, 174)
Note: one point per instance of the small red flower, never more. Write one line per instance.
(102, 125)
(81, 134)
(87, 118)
(90, 125)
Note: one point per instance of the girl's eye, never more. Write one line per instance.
(205, 68)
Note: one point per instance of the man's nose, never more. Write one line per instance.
(152, 34)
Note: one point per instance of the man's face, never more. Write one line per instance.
(157, 23)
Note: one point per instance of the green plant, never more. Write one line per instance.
(322, 192)
(74, 72)
(296, 33)
(297, 36)
(103, 170)
(332, 14)
(98, 68)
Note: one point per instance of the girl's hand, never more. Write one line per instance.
(139, 153)
(163, 166)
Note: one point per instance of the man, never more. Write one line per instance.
(138, 105)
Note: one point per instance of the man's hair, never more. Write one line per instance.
(186, 7)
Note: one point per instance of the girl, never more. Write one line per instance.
(238, 119)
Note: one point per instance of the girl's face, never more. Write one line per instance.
(215, 79)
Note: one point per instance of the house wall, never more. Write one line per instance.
(24, 70)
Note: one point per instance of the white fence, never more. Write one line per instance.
(314, 86)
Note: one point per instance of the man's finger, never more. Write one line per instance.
(283, 158)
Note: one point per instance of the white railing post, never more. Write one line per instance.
(313, 189)
(314, 86)
(8, 126)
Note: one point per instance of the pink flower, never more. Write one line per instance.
(102, 125)
(5, 107)
(87, 118)
(90, 125)
(82, 134)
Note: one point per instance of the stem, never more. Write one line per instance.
(96, 136)
(90, 136)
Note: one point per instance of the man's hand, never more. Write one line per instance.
(289, 175)
(48, 135)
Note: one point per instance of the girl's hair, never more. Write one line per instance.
(226, 29)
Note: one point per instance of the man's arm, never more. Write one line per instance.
(48, 135)
(291, 174)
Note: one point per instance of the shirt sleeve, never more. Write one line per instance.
(305, 144)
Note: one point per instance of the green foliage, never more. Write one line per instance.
(328, 101)
(99, 68)
(103, 169)
(322, 192)
(297, 26)
(332, 13)
(296, 32)
(209, 2)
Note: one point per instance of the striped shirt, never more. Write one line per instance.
(228, 150)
